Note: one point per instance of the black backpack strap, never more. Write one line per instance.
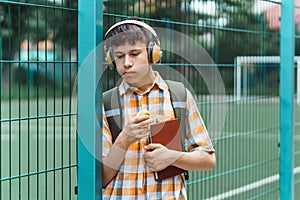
(113, 111)
(178, 98)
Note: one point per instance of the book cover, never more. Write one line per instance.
(167, 133)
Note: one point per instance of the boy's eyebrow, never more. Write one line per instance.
(121, 52)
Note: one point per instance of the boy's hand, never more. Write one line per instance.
(159, 157)
(137, 128)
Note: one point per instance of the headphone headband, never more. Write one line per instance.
(130, 21)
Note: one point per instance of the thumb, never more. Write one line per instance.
(152, 146)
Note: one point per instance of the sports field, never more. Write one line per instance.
(38, 151)
(247, 154)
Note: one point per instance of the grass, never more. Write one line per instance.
(38, 149)
(247, 154)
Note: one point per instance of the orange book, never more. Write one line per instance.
(167, 133)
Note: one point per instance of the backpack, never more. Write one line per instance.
(114, 112)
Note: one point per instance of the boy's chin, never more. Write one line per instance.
(132, 83)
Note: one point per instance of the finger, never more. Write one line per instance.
(146, 122)
(153, 168)
(143, 134)
(143, 126)
(144, 129)
(139, 119)
(153, 146)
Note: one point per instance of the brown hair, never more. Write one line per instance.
(129, 33)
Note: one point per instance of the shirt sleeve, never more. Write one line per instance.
(196, 132)
(106, 135)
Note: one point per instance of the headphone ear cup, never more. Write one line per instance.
(110, 57)
(154, 53)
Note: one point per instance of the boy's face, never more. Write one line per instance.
(132, 63)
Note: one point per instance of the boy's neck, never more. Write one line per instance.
(148, 82)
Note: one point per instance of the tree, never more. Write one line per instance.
(37, 22)
(44, 29)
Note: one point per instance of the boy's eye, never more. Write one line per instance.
(132, 53)
(119, 56)
(135, 53)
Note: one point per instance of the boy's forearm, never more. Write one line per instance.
(196, 160)
(114, 159)
(107, 174)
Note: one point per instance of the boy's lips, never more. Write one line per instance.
(128, 72)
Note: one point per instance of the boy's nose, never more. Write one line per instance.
(128, 61)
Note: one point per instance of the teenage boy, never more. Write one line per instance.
(129, 161)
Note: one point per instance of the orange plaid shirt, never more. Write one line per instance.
(134, 180)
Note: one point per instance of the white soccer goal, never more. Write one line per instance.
(240, 73)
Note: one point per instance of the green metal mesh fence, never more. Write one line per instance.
(38, 65)
(241, 37)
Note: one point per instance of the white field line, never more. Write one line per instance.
(38, 132)
(7, 137)
(250, 186)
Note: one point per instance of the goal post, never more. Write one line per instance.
(240, 73)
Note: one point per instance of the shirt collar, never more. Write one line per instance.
(158, 80)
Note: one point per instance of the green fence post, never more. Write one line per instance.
(287, 45)
(89, 141)
(0, 62)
